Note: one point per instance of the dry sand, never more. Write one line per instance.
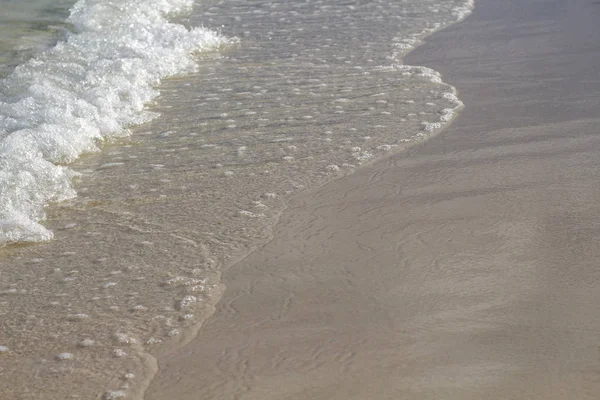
(464, 269)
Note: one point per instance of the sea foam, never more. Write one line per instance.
(86, 89)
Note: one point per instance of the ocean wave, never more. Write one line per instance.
(88, 88)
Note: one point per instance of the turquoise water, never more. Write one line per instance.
(29, 27)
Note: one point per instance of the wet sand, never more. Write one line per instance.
(466, 268)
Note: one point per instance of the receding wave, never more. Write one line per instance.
(314, 90)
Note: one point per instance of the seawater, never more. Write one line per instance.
(28, 28)
(149, 198)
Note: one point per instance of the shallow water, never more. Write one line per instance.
(312, 91)
(29, 27)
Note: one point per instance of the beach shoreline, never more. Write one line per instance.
(462, 268)
(134, 267)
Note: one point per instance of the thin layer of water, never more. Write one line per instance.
(313, 91)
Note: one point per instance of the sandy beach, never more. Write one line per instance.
(465, 268)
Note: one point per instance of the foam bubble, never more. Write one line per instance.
(86, 343)
(114, 394)
(464, 10)
(77, 317)
(187, 301)
(119, 353)
(250, 214)
(431, 126)
(124, 338)
(64, 356)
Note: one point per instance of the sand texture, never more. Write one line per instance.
(466, 268)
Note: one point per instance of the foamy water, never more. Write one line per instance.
(87, 89)
(312, 91)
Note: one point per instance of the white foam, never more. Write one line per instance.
(87, 88)
(86, 343)
(115, 394)
(187, 302)
(119, 353)
(463, 11)
(64, 356)
(124, 338)
(77, 317)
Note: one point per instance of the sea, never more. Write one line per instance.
(147, 145)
